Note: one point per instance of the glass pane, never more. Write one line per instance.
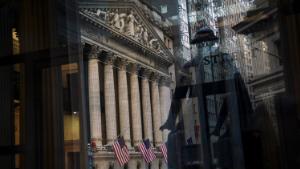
(156, 84)
(71, 115)
(7, 105)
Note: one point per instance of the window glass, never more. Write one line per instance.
(156, 84)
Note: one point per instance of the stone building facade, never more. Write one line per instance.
(130, 53)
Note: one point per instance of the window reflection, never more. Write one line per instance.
(70, 89)
(215, 81)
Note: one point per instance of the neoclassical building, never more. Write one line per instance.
(130, 67)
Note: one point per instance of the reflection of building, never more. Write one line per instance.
(260, 23)
(129, 55)
(267, 86)
(236, 45)
(176, 12)
(224, 55)
(239, 48)
(267, 83)
(265, 89)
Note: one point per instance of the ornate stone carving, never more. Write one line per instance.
(134, 67)
(131, 24)
(155, 76)
(122, 63)
(165, 81)
(145, 37)
(127, 22)
(154, 44)
(110, 58)
(94, 51)
(146, 73)
(139, 32)
(118, 20)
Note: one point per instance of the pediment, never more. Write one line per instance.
(128, 21)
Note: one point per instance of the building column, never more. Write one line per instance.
(132, 164)
(102, 164)
(109, 99)
(94, 98)
(146, 105)
(156, 110)
(155, 164)
(165, 102)
(123, 101)
(135, 105)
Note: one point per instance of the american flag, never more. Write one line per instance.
(121, 151)
(163, 149)
(146, 150)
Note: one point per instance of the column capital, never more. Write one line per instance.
(165, 81)
(134, 67)
(146, 73)
(155, 77)
(110, 58)
(122, 63)
(94, 51)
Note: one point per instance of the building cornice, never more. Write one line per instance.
(87, 12)
(152, 14)
(90, 41)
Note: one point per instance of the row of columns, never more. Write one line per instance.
(151, 106)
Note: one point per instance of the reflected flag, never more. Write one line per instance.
(121, 151)
(164, 150)
(147, 151)
(189, 141)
